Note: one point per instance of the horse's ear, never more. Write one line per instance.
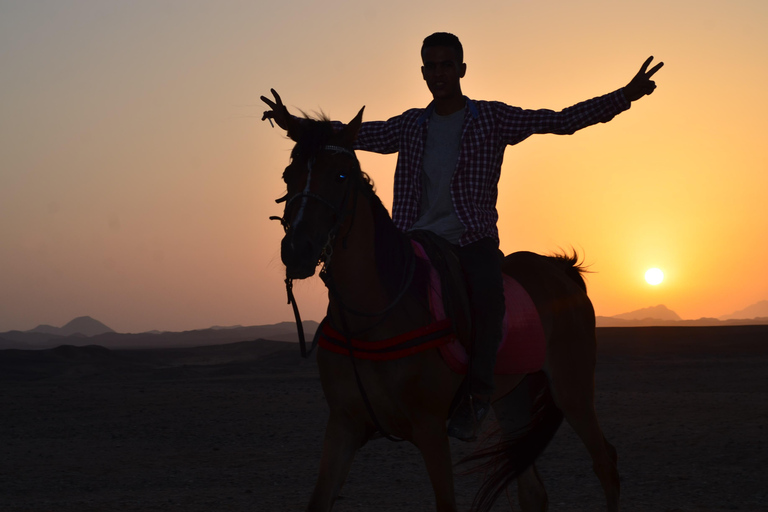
(349, 135)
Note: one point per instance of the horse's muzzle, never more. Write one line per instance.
(300, 254)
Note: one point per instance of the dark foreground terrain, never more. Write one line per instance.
(239, 427)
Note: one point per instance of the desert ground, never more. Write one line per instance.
(239, 427)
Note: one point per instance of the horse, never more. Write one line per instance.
(332, 217)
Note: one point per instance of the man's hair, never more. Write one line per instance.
(444, 39)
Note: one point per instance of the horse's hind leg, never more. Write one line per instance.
(343, 438)
(572, 374)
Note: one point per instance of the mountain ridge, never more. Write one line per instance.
(35, 340)
(612, 321)
(661, 315)
(85, 330)
(84, 325)
(756, 310)
(660, 312)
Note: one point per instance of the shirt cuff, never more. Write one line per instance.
(620, 100)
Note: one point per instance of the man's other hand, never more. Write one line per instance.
(279, 113)
(641, 84)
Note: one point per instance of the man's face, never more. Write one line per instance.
(442, 71)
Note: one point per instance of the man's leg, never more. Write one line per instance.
(481, 263)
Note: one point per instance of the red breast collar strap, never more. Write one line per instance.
(423, 338)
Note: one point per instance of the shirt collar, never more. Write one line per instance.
(431, 107)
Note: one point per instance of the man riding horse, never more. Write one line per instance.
(448, 167)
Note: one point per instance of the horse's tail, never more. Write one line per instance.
(573, 266)
(524, 435)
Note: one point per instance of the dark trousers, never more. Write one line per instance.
(481, 264)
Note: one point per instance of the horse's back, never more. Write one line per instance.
(546, 277)
(557, 288)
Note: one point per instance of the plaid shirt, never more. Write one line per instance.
(489, 127)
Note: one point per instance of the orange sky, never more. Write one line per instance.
(136, 178)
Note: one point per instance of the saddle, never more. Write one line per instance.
(522, 349)
(523, 346)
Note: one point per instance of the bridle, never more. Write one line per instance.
(327, 251)
(339, 211)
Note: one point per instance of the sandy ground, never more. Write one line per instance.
(239, 427)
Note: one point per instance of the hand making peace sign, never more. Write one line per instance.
(279, 113)
(642, 84)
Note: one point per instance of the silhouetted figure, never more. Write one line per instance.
(448, 167)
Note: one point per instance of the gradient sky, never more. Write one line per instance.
(136, 178)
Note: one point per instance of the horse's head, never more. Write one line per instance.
(322, 182)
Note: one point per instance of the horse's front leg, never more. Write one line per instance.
(432, 442)
(343, 437)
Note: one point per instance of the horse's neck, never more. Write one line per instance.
(353, 265)
(355, 275)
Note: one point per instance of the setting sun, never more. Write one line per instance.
(654, 276)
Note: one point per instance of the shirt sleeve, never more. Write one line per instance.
(380, 136)
(517, 124)
(377, 136)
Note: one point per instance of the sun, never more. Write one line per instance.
(654, 276)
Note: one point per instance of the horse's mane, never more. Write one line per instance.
(313, 135)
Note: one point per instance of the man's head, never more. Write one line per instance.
(443, 66)
(444, 39)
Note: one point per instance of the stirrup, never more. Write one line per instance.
(468, 418)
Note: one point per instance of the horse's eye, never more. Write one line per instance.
(341, 176)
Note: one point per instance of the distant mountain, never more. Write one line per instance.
(660, 312)
(757, 310)
(83, 325)
(756, 314)
(611, 321)
(46, 329)
(33, 340)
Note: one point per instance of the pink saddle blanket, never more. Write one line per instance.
(523, 346)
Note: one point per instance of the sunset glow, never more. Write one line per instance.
(136, 178)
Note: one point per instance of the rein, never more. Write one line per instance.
(327, 251)
(405, 284)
